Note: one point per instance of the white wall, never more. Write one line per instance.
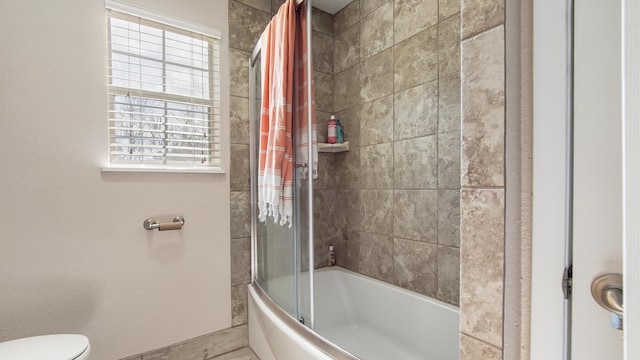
(74, 257)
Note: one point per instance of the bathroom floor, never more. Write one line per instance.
(244, 353)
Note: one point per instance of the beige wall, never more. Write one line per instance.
(73, 256)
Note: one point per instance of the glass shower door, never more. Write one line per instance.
(277, 265)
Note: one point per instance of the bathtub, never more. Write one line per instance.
(356, 318)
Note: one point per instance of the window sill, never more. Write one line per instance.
(163, 169)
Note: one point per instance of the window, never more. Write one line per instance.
(164, 96)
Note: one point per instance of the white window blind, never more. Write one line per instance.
(164, 95)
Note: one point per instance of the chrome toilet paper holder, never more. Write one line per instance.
(175, 224)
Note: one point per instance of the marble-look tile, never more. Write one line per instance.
(350, 121)
(347, 170)
(323, 91)
(346, 51)
(482, 263)
(240, 261)
(246, 24)
(376, 31)
(239, 120)
(449, 46)
(204, 347)
(376, 166)
(416, 59)
(263, 5)
(377, 121)
(347, 17)
(449, 103)
(483, 109)
(239, 172)
(413, 16)
(448, 8)
(347, 251)
(239, 305)
(239, 63)
(416, 111)
(324, 204)
(416, 163)
(481, 15)
(376, 256)
(322, 22)
(326, 172)
(275, 6)
(347, 212)
(449, 217)
(472, 349)
(377, 211)
(449, 275)
(415, 266)
(376, 76)
(240, 214)
(242, 354)
(415, 215)
(368, 6)
(449, 160)
(322, 52)
(346, 88)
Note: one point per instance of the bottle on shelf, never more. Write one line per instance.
(339, 132)
(332, 256)
(331, 130)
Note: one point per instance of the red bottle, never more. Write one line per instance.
(331, 130)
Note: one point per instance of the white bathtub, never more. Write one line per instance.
(365, 318)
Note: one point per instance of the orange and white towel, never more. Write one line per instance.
(278, 54)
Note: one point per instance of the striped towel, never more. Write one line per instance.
(275, 177)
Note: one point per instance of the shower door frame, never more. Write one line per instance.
(254, 173)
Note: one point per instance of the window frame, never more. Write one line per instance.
(182, 26)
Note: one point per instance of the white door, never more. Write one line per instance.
(598, 172)
(631, 183)
(597, 203)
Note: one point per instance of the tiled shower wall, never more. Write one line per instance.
(483, 180)
(366, 196)
(390, 205)
(247, 19)
(390, 71)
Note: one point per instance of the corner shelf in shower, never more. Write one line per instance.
(333, 148)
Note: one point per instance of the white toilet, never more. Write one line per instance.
(46, 347)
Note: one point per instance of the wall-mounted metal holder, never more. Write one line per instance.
(152, 224)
